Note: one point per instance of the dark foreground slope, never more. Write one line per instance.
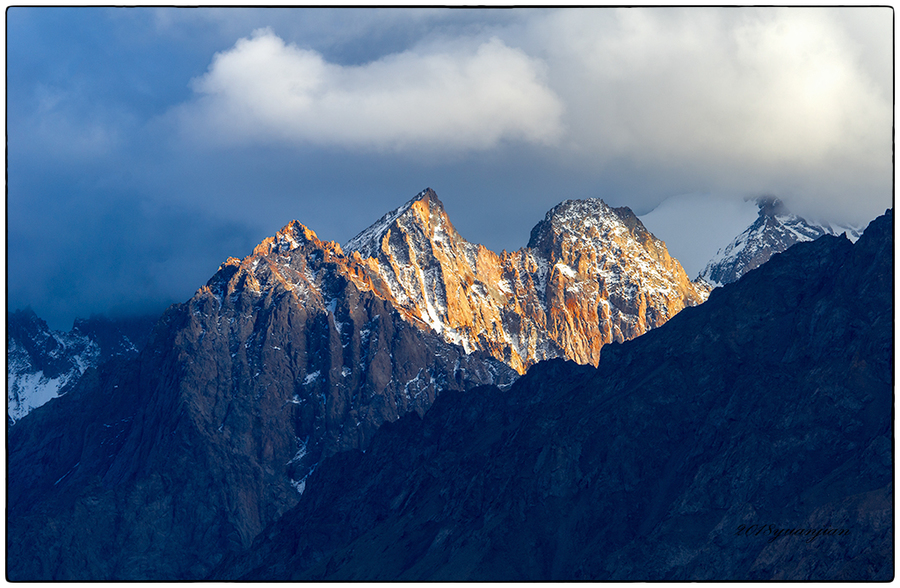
(769, 405)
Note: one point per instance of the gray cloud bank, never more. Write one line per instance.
(147, 145)
(791, 101)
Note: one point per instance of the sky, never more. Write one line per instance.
(147, 145)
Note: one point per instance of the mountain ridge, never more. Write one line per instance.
(159, 466)
(279, 360)
(767, 406)
(589, 275)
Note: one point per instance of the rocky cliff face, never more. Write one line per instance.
(590, 275)
(609, 280)
(154, 468)
(43, 363)
(297, 322)
(774, 231)
(746, 439)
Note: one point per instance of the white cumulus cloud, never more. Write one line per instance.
(449, 98)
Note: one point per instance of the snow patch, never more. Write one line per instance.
(565, 270)
(331, 307)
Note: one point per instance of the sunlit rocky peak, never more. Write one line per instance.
(590, 275)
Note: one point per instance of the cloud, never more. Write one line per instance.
(456, 98)
(680, 219)
(521, 108)
(760, 85)
(796, 101)
(63, 126)
(740, 99)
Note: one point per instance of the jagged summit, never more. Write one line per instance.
(569, 217)
(293, 235)
(426, 203)
(585, 218)
(774, 230)
(270, 264)
(591, 274)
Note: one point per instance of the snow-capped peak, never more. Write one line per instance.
(570, 213)
(591, 274)
(774, 230)
(368, 241)
(580, 218)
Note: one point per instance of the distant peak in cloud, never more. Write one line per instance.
(459, 97)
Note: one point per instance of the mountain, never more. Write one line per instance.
(301, 320)
(153, 468)
(590, 275)
(156, 467)
(774, 230)
(749, 438)
(43, 363)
